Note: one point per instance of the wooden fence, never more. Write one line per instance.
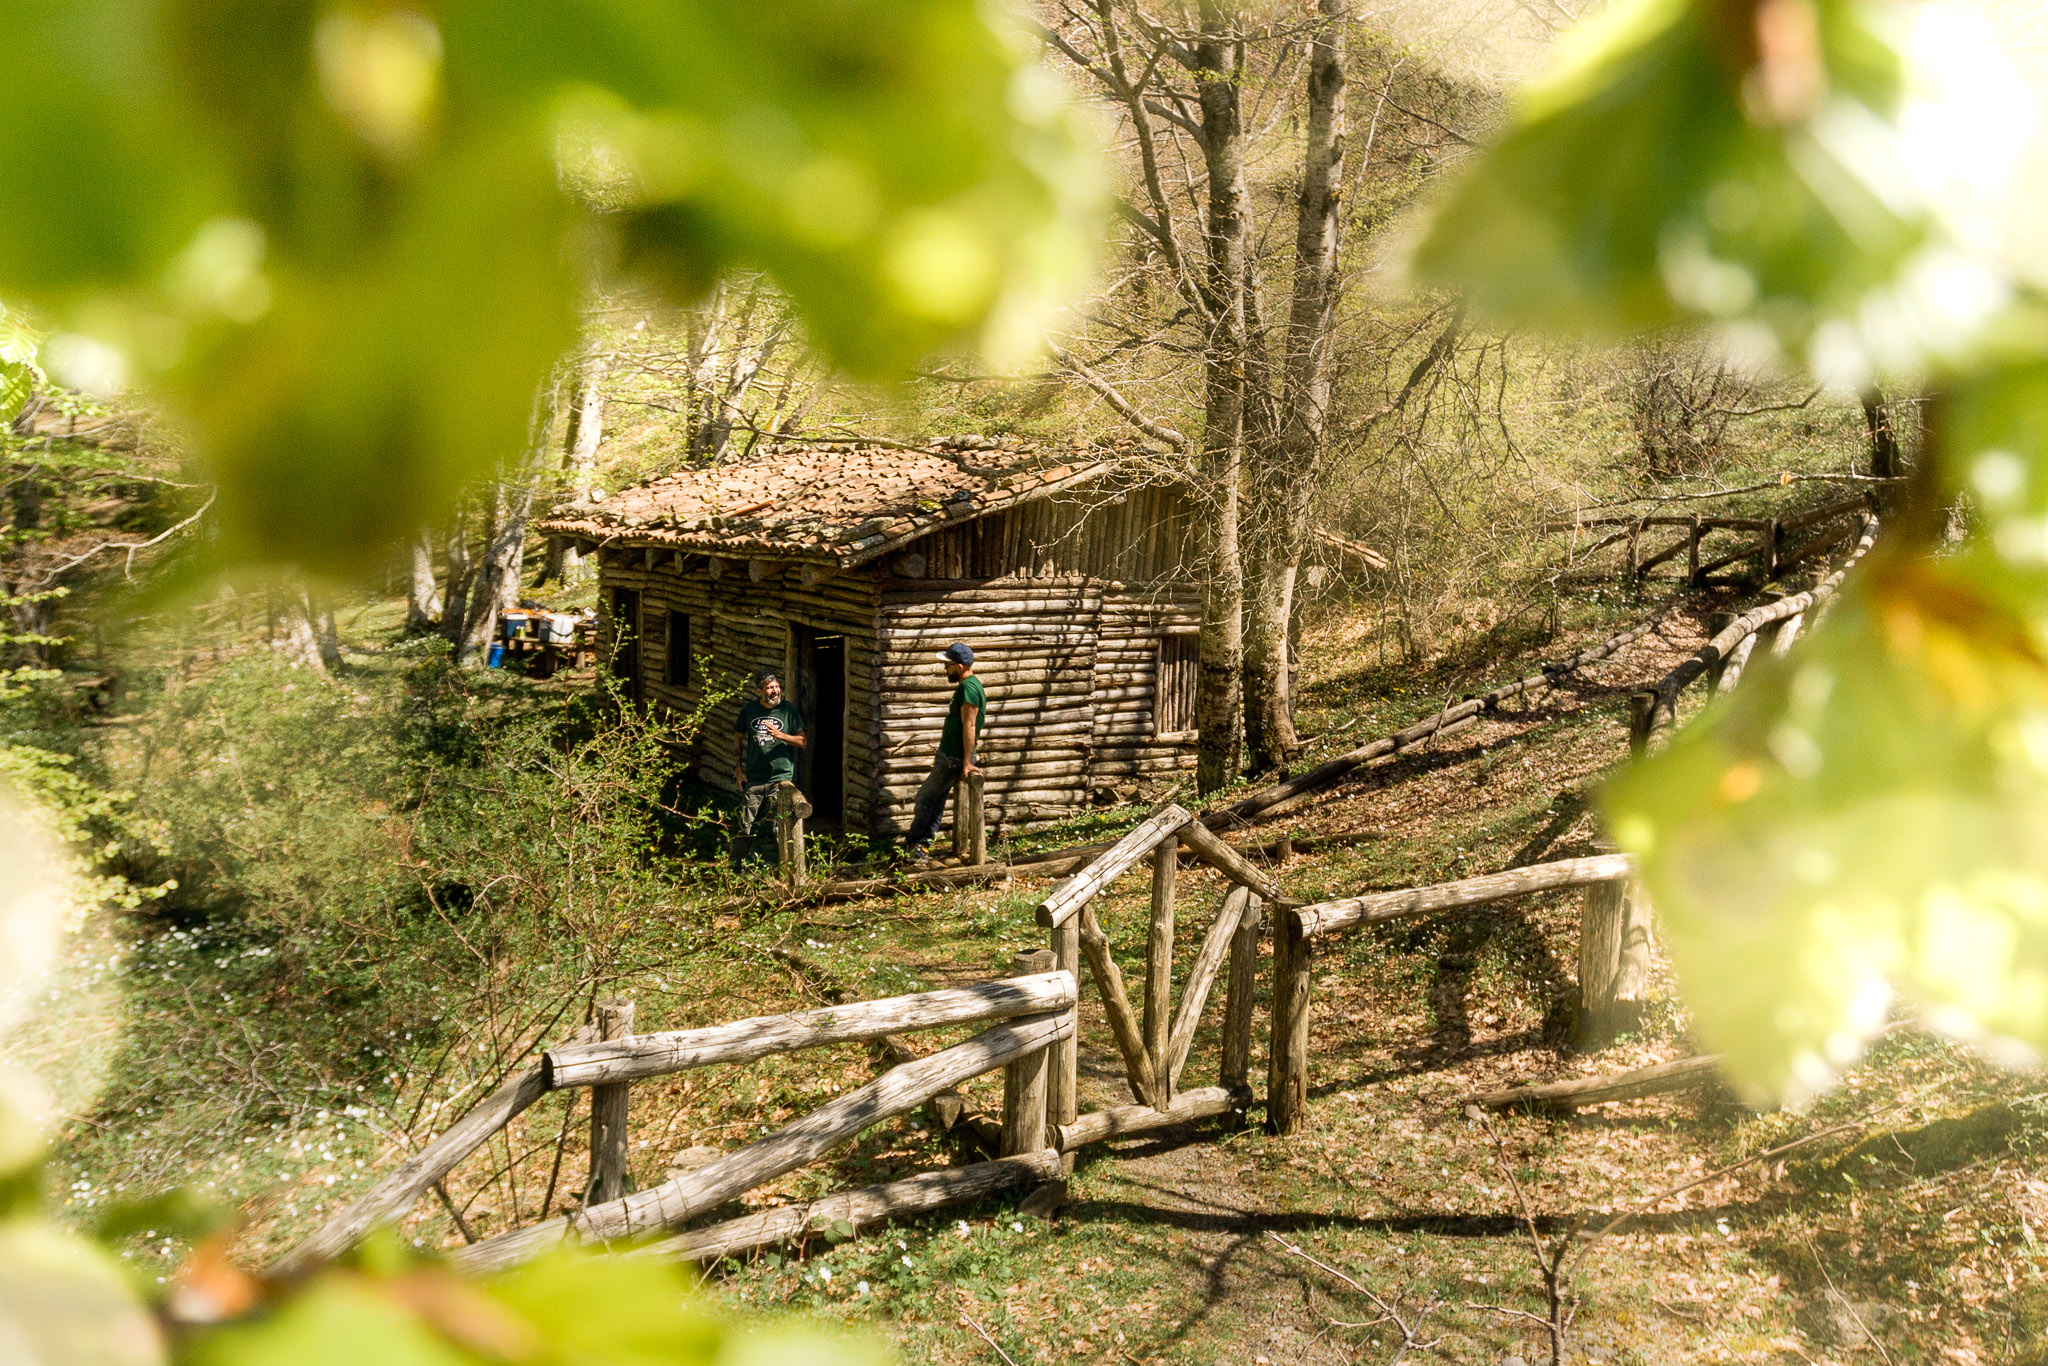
(1155, 1045)
(1613, 953)
(1711, 545)
(1722, 659)
(1032, 1012)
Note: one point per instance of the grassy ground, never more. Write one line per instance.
(1392, 1227)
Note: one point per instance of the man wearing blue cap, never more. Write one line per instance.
(965, 716)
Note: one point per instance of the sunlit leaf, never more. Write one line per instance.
(63, 1300)
(348, 242)
(1722, 160)
(1865, 816)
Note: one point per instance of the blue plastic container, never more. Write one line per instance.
(496, 659)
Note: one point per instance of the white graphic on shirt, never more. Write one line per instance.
(763, 741)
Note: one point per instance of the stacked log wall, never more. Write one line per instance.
(1065, 602)
(742, 624)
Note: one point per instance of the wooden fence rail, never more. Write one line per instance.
(1767, 541)
(1298, 930)
(1033, 1011)
(1655, 708)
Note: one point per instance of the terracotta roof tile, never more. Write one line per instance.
(843, 501)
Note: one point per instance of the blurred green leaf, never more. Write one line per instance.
(1865, 814)
(63, 1300)
(1694, 159)
(19, 372)
(349, 243)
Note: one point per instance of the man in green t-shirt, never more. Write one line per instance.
(765, 742)
(966, 719)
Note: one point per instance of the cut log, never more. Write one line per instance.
(1614, 961)
(1062, 1100)
(1159, 968)
(1330, 917)
(1116, 1006)
(1067, 898)
(654, 1055)
(395, 1194)
(1194, 993)
(1024, 1080)
(1631, 1085)
(1287, 1055)
(795, 1145)
(1234, 1075)
(1125, 1120)
(1207, 846)
(608, 1113)
(861, 1209)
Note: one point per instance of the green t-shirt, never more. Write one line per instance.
(769, 760)
(970, 693)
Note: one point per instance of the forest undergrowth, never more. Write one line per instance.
(356, 948)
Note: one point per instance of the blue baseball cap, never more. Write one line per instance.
(957, 653)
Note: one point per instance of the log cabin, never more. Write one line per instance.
(851, 564)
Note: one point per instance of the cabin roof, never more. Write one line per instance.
(844, 502)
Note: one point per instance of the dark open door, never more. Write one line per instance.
(820, 660)
(625, 662)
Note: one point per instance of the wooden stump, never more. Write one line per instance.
(608, 1105)
(1642, 717)
(790, 810)
(1024, 1080)
(1614, 961)
(1287, 1060)
(1239, 991)
(975, 820)
(1159, 972)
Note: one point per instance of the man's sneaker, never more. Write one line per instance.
(917, 858)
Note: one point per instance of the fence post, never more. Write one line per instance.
(1287, 1058)
(608, 1114)
(1774, 541)
(970, 812)
(1024, 1081)
(790, 810)
(1642, 717)
(1692, 550)
(1614, 961)
(1243, 983)
(1062, 1098)
(1159, 968)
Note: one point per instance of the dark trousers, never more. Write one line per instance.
(931, 799)
(756, 831)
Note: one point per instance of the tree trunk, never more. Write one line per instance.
(1885, 461)
(579, 458)
(460, 569)
(423, 600)
(496, 586)
(294, 630)
(1283, 474)
(1219, 62)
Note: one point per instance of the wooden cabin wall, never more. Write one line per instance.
(1065, 602)
(743, 624)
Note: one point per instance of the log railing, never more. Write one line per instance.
(1030, 1013)
(1603, 936)
(1774, 543)
(1155, 1044)
(1722, 659)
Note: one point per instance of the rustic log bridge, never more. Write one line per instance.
(1631, 1085)
(655, 1055)
(860, 1209)
(797, 1144)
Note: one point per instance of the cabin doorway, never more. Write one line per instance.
(818, 659)
(625, 659)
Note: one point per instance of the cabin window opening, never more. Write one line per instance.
(677, 672)
(625, 654)
(1173, 688)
